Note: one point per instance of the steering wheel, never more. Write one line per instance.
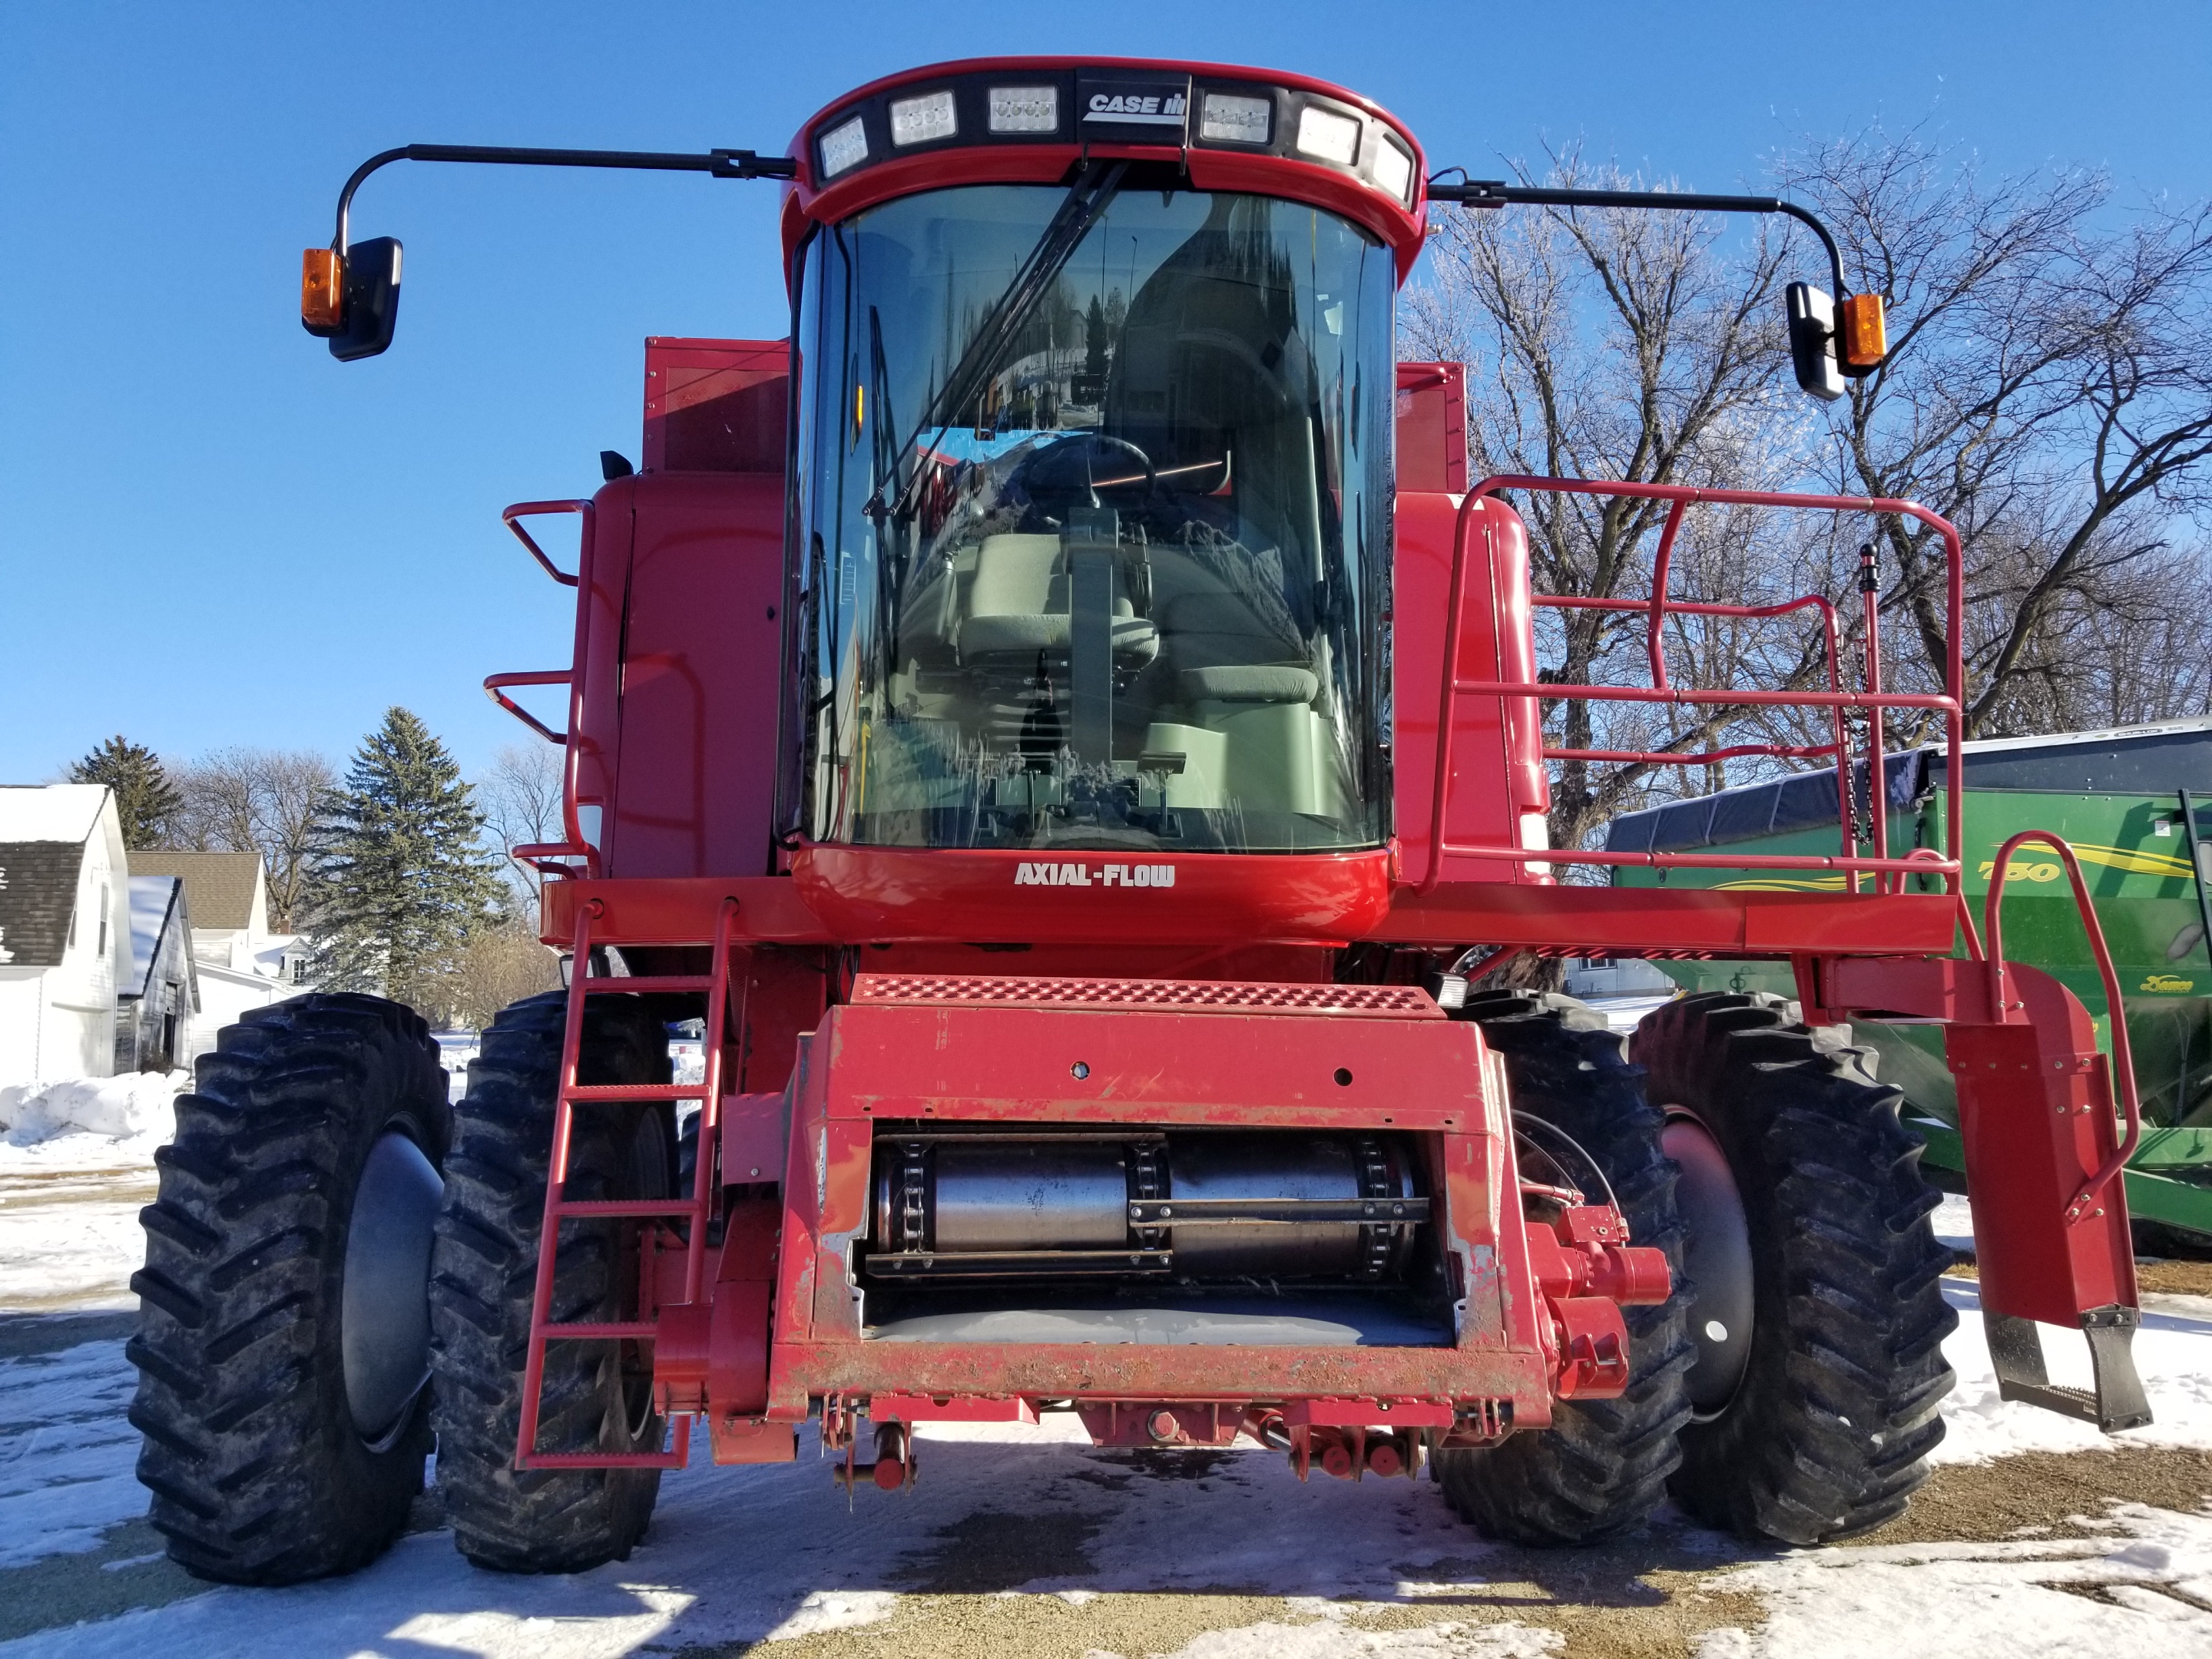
(1069, 468)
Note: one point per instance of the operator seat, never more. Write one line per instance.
(1018, 608)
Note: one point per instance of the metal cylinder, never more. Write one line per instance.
(1287, 1165)
(991, 1194)
(943, 1194)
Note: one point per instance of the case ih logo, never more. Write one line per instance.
(1094, 875)
(1152, 108)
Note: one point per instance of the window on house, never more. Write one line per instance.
(299, 970)
(103, 921)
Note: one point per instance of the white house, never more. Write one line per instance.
(239, 963)
(64, 931)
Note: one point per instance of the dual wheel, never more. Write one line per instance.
(293, 1375)
(1791, 1387)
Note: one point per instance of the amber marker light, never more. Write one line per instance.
(1862, 333)
(322, 291)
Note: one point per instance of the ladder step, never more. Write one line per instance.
(653, 983)
(590, 1091)
(672, 1209)
(617, 1331)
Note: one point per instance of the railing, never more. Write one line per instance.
(559, 859)
(1889, 873)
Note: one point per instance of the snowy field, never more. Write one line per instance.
(1030, 1542)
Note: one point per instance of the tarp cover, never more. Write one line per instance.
(2154, 762)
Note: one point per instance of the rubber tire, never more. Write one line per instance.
(482, 1276)
(258, 1474)
(1829, 1431)
(1602, 1466)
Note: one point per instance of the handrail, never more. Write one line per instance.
(2115, 1017)
(495, 686)
(537, 509)
(1949, 704)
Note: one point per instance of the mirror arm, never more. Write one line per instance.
(1493, 193)
(721, 163)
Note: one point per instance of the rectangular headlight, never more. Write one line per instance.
(1394, 171)
(844, 148)
(1328, 136)
(918, 121)
(1235, 120)
(1024, 109)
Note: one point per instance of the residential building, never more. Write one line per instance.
(64, 932)
(239, 964)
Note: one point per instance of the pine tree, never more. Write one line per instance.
(145, 800)
(1094, 339)
(401, 879)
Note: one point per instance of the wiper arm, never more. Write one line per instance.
(1094, 188)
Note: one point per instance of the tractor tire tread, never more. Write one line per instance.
(1603, 1465)
(482, 1279)
(1830, 1432)
(256, 1477)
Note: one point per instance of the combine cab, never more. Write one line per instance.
(1065, 725)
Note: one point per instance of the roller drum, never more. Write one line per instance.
(939, 1196)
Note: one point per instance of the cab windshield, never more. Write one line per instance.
(1093, 496)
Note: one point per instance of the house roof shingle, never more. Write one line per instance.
(38, 891)
(219, 887)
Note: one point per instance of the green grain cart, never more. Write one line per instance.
(2132, 801)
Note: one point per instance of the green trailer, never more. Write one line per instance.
(2134, 802)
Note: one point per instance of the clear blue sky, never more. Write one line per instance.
(210, 533)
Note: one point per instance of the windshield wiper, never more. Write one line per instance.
(1095, 186)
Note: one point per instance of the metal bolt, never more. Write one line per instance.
(1080, 1069)
(1161, 1426)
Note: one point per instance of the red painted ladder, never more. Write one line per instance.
(695, 1208)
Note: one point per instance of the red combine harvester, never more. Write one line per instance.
(1064, 727)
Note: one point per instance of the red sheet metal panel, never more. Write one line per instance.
(1158, 996)
(1432, 428)
(1498, 780)
(875, 1060)
(698, 690)
(1669, 922)
(716, 406)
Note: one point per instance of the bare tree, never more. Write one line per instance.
(520, 795)
(1622, 345)
(2049, 389)
(257, 800)
(498, 966)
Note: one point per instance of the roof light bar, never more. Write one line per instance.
(1226, 118)
(1328, 137)
(844, 148)
(920, 120)
(1024, 109)
(1393, 170)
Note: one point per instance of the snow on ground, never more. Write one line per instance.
(2149, 1581)
(747, 1554)
(773, 1553)
(77, 1161)
(66, 1453)
(136, 1107)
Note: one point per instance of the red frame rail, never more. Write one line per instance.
(1657, 608)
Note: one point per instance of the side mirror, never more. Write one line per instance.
(352, 301)
(1813, 341)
